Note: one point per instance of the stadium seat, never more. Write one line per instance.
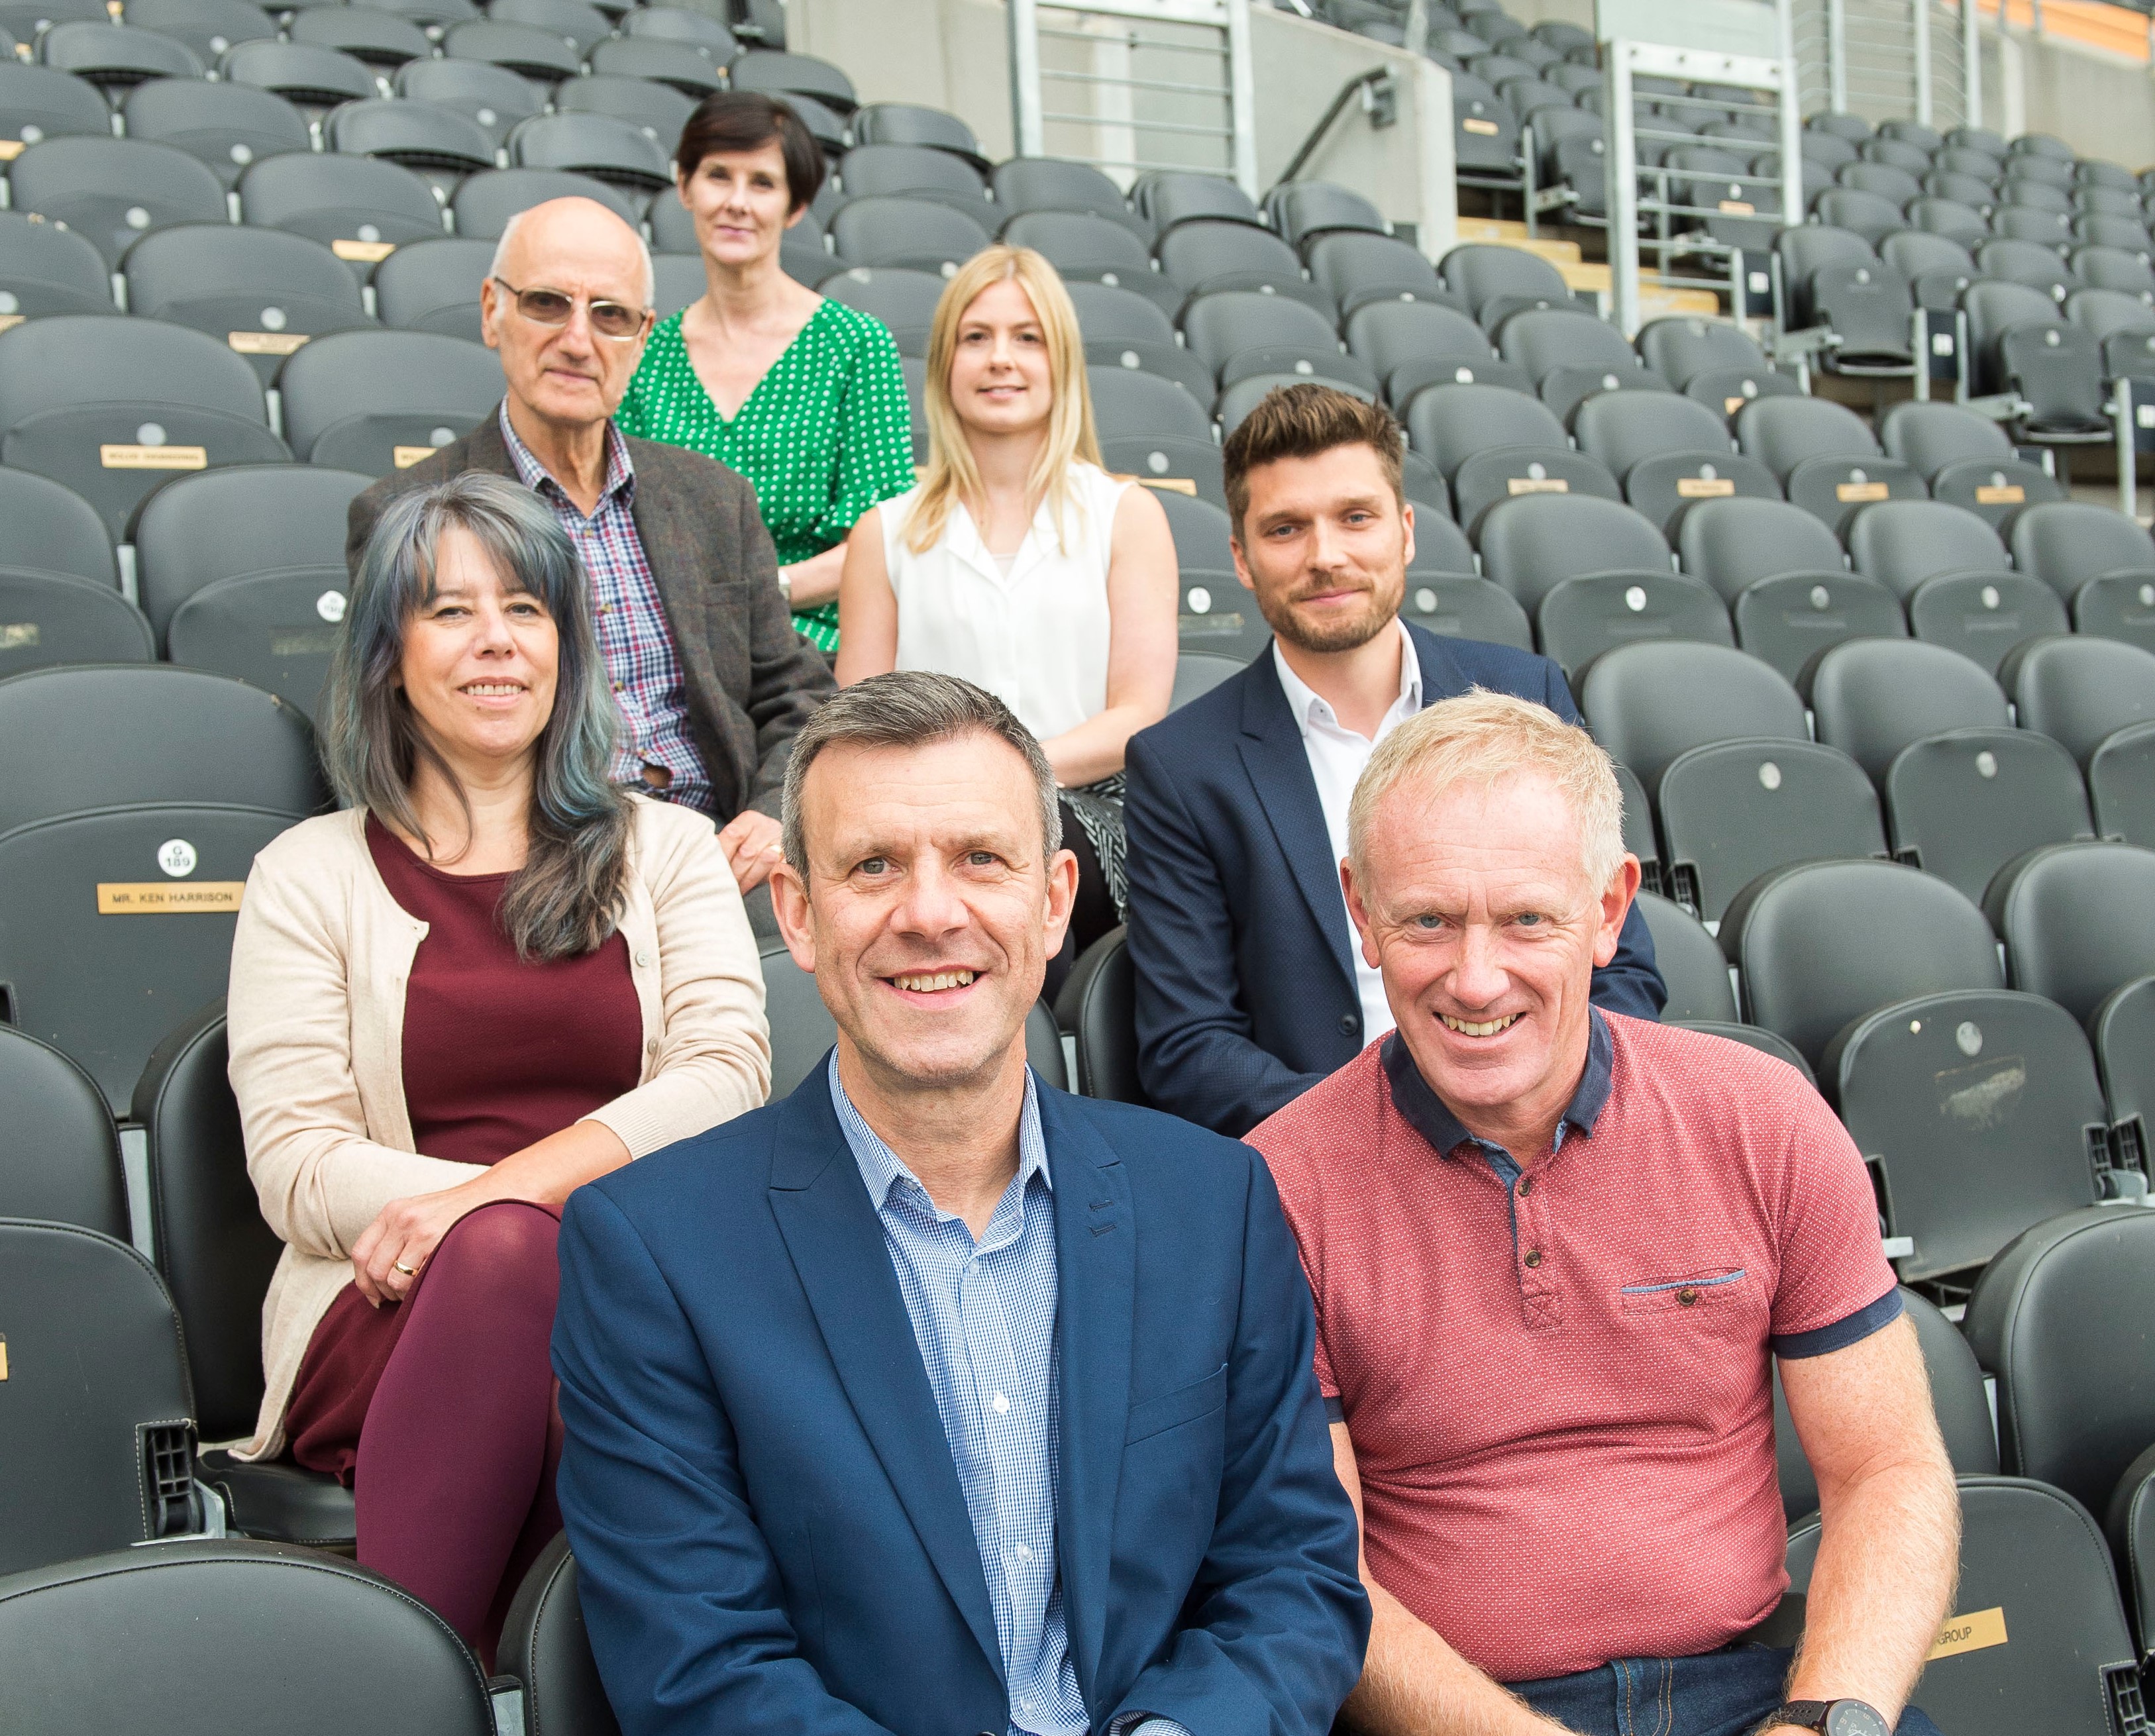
(1731, 811)
(263, 292)
(38, 104)
(917, 171)
(1503, 472)
(1481, 273)
(1216, 254)
(50, 529)
(909, 234)
(2073, 919)
(1238, 400)
(1962, 803)
(1622, 428)
(2117, 606)
(2025, 262)
(1833, 489)
(111, 192)
(375, 402)
(619, 152)
(1868, 308)
(545, 1649)
(683, 68)
(433, 286)
(1552, 341)
(422, 136)
(495, 96)
(1097, 1006)
(791, 75)
(2018, 342)
(2079, 691)
(45, 269)
(209, 26)
(2066, 543)
(2122, 1030)
(1202, 532)
(61, 1162)
(231, 1635)
(583, 27)
(1872, 216)
(483, 204)
(1044, 184)
(1872, 697)
(2121, 777)
(1146, 344)
(2114, 269)
(913, 124)
(369, 35)
(539, 55)
(111, 405)
(1781, 432)
(1648, 703)
(658, 111)
(361, 208)
(1579, 619)
(1693, 966)
(1917, 253)
(1533, 543)
(52, 618)
(1985, 616)
(311, 77)
(1358, 270)
(225, 127)
(1409, 343)
(114, 55)
(1801, 252)
(1931, 436)
(242, 571)
(1733, 544)
(672, 24)
(1680, 348)
(1461, 606)
(1766, 1042)
(1789, 619)
(1450, 424)
(1819, 944)
(1901, 542)
(94, 1435)
(1197, 673)
(1663, 487)
(1983, 1116)
(1168, 198)
(1151, 427)
(1240, 333)
(903, 300)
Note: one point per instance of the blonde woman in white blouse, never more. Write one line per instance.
(1018, 563)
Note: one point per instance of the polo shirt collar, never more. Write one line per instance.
(1308, 707)
(621, 470)
(1425, 1111)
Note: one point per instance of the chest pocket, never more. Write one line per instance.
(1152, 1417)
(1705, 1291)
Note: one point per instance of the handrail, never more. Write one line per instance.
(1380, 100)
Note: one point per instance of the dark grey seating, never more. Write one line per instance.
(115, 55)
(615, 151)
(59, 1158)
(903, 300)
(95, 1430)
(1357, 269)
(582, 26)
(46, 270)
(1097, 1006)
(302, 72)
(1985, 616)
(916, 171)
(1766, 1042)
(545, 1648)
(695, 75)
(51, 618)
(1733, 543)
(263, 292)
(1731, 811)
(2067, 542)
(1833, 489)
(362, 208)
(1781, 432)
(209, 26)
(368, 34)
(1482, 273)
(1901, 542)
(433, 286)
(1690, 962)
(420, 135)
(1648, 703)
(1579, 619)
(493, 96)
(53, 529)
(1872, 697)
(911, 234)
(2073, 919)
(1533, 543)
(791, 75)
(1214, 253)
(915, 124)
(1680, 348)
(353, 400)
(1665, 487)
(483, 204)
(1449, 424)
(1993, 490)
(1502, 473)
(1962, 803)
(1045, 184)
(2079, 691)
(1821, 943)
(1622, 428)
(658, 111)
(2122, 784)
(1462, 607)
(1790, 619)
(36, 103)
(2121, 1029)
(1984, 1114)
(2118, 605)
(111, 192)
(225, 127)
(541, 56)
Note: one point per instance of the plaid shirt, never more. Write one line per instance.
(634, 637)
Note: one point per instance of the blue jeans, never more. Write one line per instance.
(1720, 1693)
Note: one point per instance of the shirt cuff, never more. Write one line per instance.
(1145, 1723)
(1334, 1412)
(1851, 1329)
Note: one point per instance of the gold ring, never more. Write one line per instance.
(408, 1271)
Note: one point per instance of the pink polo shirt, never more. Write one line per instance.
(1558, 1385)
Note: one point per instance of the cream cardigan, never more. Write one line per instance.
(315, 1018)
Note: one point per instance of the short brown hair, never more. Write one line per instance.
(1300, 421)
(734, 121)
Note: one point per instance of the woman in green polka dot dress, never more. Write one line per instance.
(802, 396)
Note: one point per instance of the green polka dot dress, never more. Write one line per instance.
(825, 434)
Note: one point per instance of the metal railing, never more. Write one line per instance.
(1916, 58)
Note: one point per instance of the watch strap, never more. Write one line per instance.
(1804, 1714)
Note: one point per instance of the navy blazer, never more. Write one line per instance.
(1243, 954)
(769, 1530)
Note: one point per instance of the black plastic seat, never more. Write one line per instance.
(46, 270)
(910, 234)
(1481, 272)
(96, 1430)
(225, 127)
(1357, 269)
(784, 74)
(369, 35)
(1917, 253)
(581, 25)
(495, 96)
(1869, 308)
(1046, 184)
(60, 1160)
(677, 66)
(362, 208)
(2067, 542)
(1681, 348)
(1503, 472)
(2121, 1030)
(54, 617)
(1781, 432)
(903, 300)
(658, 110)
(301, 72)
(1097, 1005)
(374, 401)
(1931, 436)
(1214, 253)
(1789, 619)
(2018, 342)
(916, 171)
(1732, 543)
(1449, 424)
(420, 135)
(1141, 405)
(1872, 697)
(673, 23)
(111, 191)
(1995, 490)
(1833, 489)
(433, 286)
(1086, 247)
(2120, 776)
(2072, 916)
(1622, 428)
(1461, 606)
(109, 407)
(1580, 618)
(1984, 616)
(1648, 703)
(209, 26)
(483, 204)
(2079, 691)
(263, 292)
(915, 123)
(1731, 811)
(540, 55)
(1801, 251)
(1531, 544)
(617, 152)
(545, 1648)
(1693, 966)
(52, 530)
(1903, 542)
(1542, 340)
(114, 55)
(1962, 803)
(1663, 487)
(1819, 944)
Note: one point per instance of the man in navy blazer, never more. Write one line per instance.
(1250, 984)
(932, 1400)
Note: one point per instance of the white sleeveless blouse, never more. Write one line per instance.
(1037, 639)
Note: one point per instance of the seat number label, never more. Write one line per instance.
(408, 456)
(1861, 490)
(1973, 1632)
(1487, 129)
(363, 253)
(146, 898)
(1536, 485)
(2003, 494)
(1704, 487)
(266, 343)
(1738, 207)
(153, 457)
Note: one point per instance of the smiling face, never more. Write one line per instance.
(1001, 381)
(480, 658)
(1324, 547)
(567, 375)
(930, 908)
(741, 204)
(1476, 905)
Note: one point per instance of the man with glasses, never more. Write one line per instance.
(712, 682)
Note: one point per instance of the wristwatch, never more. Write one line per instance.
(785, 584)
(1830, 1717)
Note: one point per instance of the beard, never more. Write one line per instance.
(1380, 606)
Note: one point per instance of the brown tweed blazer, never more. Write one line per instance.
(751, 681)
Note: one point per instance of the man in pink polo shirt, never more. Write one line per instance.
(1552, 1251)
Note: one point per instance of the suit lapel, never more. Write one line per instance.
(1441, 676)
(835, 1237)
(1096, 1253)
(1278, 767)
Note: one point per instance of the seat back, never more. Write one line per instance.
(1962, 803)
(1621, 428)
(1732, 543)
(1450, 424)
(2122, 782)
(1789, 620)
(2079, 691)
(59, 1156)
(354, 398)
(1781, 432)
(231, 1635)
(1648, 703)
(1901, 542)
(1679, 348)
(2122, 1030)
(1731, 811)
(1481, 272)
(1822, 943)
(1505, 473)
(95, 1432)
(1871, 697)
(2073, 919)
(1694, 969)
(546, 1646)
(2068, 542)
(53, 529)
(1531, 544)
(1983, 616)
(1581, 618)
(1982, 1114)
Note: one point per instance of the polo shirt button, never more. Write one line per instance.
(1348, 1021)
(1688, 1298)
(1534, 1258)
(1526, 1185)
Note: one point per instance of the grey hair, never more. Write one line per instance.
(643, 247)
(911, 708)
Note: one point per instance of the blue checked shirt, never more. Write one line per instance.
(634, 637)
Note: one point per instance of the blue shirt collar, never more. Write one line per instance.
(1425, 1111)
(883, 1170)
(621, 471)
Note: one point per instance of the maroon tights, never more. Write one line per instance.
(454, 1479)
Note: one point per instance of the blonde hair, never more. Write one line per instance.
(1481, 738)
(951, 475)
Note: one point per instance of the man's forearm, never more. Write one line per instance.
(1888, 1559)
(1413, 1684)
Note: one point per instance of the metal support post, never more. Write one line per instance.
(1025, 104)
(1623, 195)
(1919, 20)
(1242, 96)
(1971, 65)
(1836, 55)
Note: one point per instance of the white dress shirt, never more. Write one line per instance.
(1337, 755)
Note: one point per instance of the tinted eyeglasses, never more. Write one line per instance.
(556, 307)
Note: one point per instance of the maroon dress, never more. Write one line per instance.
(499, 1054)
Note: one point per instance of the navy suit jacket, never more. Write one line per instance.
(1239, 943)
(769, 1530)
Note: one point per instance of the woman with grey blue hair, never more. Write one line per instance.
(492, 977)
